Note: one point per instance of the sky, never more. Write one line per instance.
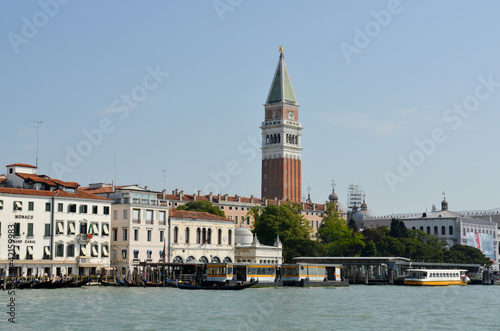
(398, 97)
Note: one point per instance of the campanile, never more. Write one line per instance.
(281, 139)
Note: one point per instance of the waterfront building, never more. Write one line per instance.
(145, 228)
(237, 207)
(452, 227)
(281, 140)
(56, 229)
(248, 249)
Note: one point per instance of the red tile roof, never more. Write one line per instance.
(196, 215)
(21, 165)
(77, 195)
(47, 180)
(100, 190)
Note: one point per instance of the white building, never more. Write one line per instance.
(55, 229)
(249, 249)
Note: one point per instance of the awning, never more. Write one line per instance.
(105, 251)
(95, 229)
(60, 228)
(47, 251)
(72, 227)
(105, 229)
(94, 250)
(84, 250)
(17, 250)
(30, 250)
(19, 205)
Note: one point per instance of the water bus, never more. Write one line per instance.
(436, 277)
(275, 275)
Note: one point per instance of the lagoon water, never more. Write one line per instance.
(355, 307)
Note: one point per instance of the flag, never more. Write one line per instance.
(90, 231)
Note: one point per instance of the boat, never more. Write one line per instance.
(43, 284)
(436, 277)
(76, 283)
(217, 286)
(24, 285)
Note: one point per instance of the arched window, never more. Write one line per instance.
(190, 259)
(215, 259)
(198, 236)
(422, 228)
(428, 230)
(203, 236)
(178, 259)
(443, 230)
(267, 139)
(450, 230)
(229, 237)
(187, 235)
(176, 234)
(203, 259)
(227, 259)
(209, 236)
(436, 230)
(219, 237)
(413, 228)
(279, 138)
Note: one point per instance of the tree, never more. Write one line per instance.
(398, 229)
(202, 206)
(471, 254)
(339, 239)
(295, 247)
(284, 221)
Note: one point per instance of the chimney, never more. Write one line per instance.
(210, 197)
(251, 198)
(314, 206)
(199, 193)
(113, 186)
(194, 197)
(181, 195)
(163, 194)
(176, 192)
(145, 187)
(225, 197)
(218, 197)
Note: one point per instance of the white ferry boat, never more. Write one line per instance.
(436, 277)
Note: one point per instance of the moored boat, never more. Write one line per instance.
(217, 286)
(436, 277)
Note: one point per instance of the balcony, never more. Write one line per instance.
(82, 259)
(149, 222)
(136, 220)
(84, 237)
(162, 222)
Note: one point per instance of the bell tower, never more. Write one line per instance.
(281, 139)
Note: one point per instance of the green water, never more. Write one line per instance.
(348, 308)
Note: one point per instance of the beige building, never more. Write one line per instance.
(144, 228)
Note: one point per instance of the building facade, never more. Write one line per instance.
(281, 140)
(145, 228)
(55, 230)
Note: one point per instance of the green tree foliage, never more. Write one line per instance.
(295, 247)
(398, 229)
(284, 221)
(202, 206)
(339, 239)
(466, 254)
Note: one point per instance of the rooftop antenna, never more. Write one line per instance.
(114, 165)
(37, 127)
(164, 178)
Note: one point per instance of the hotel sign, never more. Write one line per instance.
(26, 217)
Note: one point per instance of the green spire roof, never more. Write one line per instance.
(281, 88)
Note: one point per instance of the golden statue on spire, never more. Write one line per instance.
(281, 49)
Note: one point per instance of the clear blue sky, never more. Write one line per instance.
(361, 110)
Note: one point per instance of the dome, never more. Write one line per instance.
(242, 236)
(362, 215)
(333, 196)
